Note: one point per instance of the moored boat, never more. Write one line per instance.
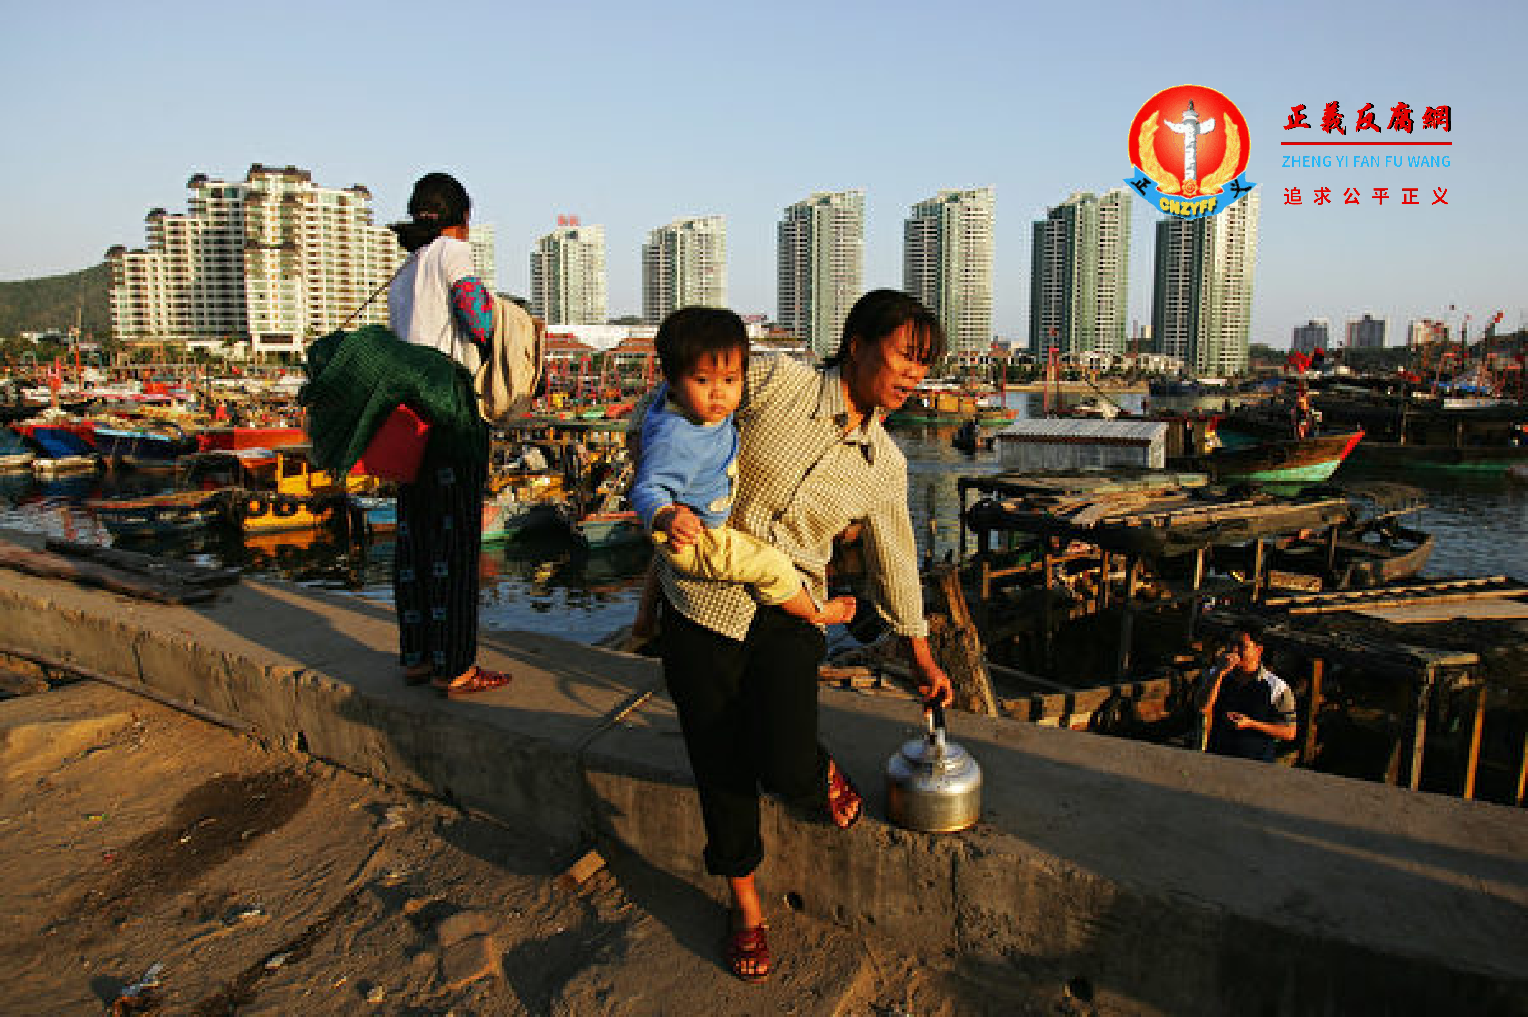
(1304, 460)
(15, 456)
(158, 515)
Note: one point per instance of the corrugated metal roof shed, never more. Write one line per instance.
(1088, 431)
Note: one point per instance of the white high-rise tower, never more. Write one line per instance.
(568, 281)
(822, 252)
(947, 264)
(1201, 309)
(684, 264)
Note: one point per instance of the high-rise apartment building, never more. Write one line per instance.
(821, 265)
(947, 264)
(1315, 334)
(568, 282)
(1202, 298)
(684, 264)
(1079, 275)
(1367, 333)
(274, 259)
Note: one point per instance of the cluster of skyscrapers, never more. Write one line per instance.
(278, 260)
(1201, 310)
(947, 263)
(1366, 333)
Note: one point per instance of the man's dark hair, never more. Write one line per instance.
(439, 202)
(692, 332)
(1253, 628)
(879, 313)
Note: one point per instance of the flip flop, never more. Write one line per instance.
(748, 951)
(479, 679)
(845, 804)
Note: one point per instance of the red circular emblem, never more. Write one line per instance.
(1184, 122)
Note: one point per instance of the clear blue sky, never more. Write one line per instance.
(631, 114)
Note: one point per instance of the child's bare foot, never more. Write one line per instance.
(839, 611)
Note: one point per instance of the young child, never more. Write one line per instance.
(685, 469)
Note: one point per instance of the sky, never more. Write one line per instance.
(631, 115)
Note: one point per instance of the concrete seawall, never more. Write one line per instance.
(1159, 880)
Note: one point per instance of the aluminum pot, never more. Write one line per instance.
(932, 784)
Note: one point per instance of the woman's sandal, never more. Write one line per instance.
(420, 675)
(479, 679)
(845, 804)
(748, 951)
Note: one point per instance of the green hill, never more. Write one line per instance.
(54, 301)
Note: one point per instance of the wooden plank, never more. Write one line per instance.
(1312, 710)
(1419, 730)
(1428, 587)
(1127, 615)
(1258, 548)
(1472, 757)
(146, 564)
(1522, 772)
(1067, 708)
(55, 566)
(1446, 611)
(1406, 600)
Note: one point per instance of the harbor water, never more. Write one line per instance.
(553, 586)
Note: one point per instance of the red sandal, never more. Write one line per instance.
(844, 801)
(748, 952)
(479, 679)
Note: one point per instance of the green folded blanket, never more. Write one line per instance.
(355, 379)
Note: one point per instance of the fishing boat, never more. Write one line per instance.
(948, 403)
(143, 448)
(970, 438)
(598, 530)
(61, 451)
(1421, 432)
(1303, 460)
(229, 439)
(276, 490)
(517, 510)
(15, 456)
(158, 515)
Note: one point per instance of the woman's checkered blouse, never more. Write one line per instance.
(802, 479)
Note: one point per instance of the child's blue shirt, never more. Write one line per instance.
(683, 463)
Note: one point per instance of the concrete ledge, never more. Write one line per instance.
(1170, 882)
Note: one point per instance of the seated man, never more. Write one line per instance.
(1248, 708)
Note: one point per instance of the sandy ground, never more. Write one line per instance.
(268, 883)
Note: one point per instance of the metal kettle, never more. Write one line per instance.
(932, 784)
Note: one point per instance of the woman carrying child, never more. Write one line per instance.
(812, 459)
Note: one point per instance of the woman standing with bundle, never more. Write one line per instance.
(436, 300)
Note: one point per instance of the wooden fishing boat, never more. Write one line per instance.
(227, 439)
(970, 439)
(15, 455)
(598, 530)
(60, 450)
(942, 403)
(143, 448)
(1303, 460)
(517, 510)
(159, 515)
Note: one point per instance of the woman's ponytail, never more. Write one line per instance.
(438, 203)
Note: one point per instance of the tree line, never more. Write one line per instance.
(57, 301)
